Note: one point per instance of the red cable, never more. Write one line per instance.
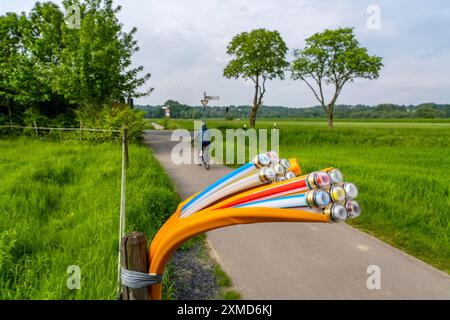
(267, 192)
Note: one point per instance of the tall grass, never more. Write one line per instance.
(401, 169)
(59, 206)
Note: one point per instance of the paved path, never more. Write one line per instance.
(302, 260)
(157, 126)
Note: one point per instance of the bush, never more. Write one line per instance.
(113, 117)
(165, 123)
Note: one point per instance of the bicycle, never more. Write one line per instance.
(204, 156)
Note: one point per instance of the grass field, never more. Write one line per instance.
(285, 123)
(59, 206)
(401, 170)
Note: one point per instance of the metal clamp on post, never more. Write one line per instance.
(136, 280)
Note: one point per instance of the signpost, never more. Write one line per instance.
(166, 111)
(205, 101)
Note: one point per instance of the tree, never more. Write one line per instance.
(9, 60)
(333, 57)
(48, 68)
(427, 111)
(96, 59)
(178, 110)
(258, 55)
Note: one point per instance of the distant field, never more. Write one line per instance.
(402, 171)
(59, 206)
(413, 122)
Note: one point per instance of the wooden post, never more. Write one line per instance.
(10, 116)
(125, 146)
(35, 127)
(81, 131)
(134, 257)
(122, 211)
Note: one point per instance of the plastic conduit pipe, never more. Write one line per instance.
(334, 212)
(259, 161)
(337, 193)
(351, 191)
(294, 166)
(313, 198)
(173, 219)
(316, 180)
(335, 175)
(262, 176)
(203, 221)
(353, 209)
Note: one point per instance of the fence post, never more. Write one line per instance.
(122, 204)
(81, 131)
(125, 146)
(134, 257)
(9, 114)
(35, 127)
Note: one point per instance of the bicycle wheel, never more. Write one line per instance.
(205, 157)
(200, 158)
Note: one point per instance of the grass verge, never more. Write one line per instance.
(224, 283)
(59, 206)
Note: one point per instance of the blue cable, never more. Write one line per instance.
(269, 200)
(219, 182)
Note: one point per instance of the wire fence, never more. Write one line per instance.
(125, 160)
(65, 133)
(62, 129)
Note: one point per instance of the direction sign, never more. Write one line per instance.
(205, 97)
(166, 111)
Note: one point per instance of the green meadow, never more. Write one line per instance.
(59, 206)
(400, 168)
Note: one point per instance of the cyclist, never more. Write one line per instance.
(205, 139)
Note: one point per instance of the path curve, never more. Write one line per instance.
(157, 126)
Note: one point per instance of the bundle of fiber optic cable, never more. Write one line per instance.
(266, 189)
(271, 182)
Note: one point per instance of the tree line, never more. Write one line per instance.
(183, 111)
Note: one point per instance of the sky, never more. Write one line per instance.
(183, 45)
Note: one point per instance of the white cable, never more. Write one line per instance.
(315, 198)
(263, 175)
(259, 161)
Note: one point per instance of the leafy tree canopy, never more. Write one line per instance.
(333, 57)
(52, 68)
(258, 55)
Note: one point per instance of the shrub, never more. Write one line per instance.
(112, 117)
